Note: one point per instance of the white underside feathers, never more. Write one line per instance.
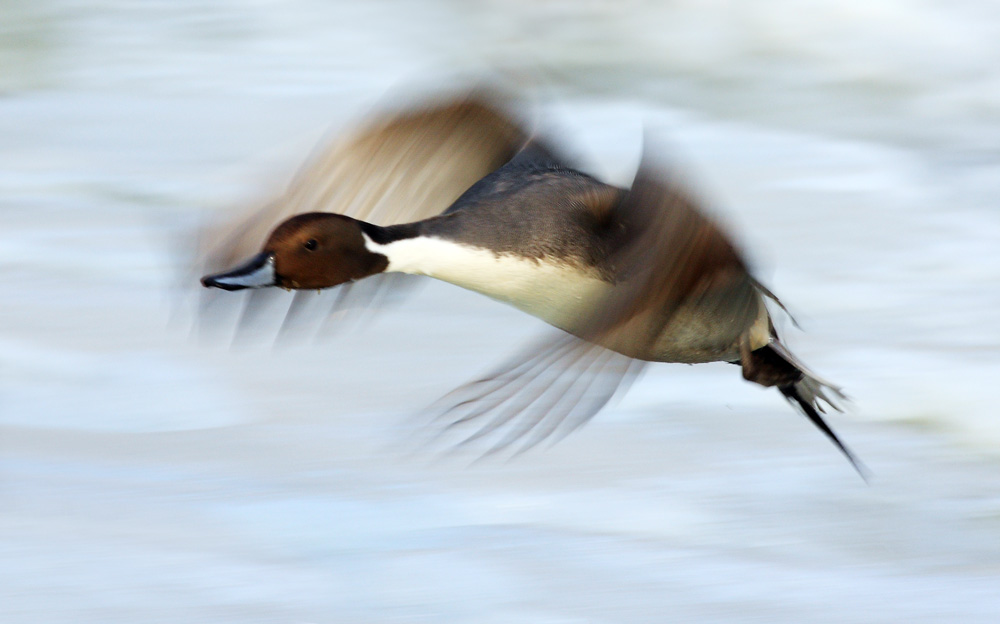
(555, 292)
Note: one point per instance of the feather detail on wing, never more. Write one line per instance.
(544, 393)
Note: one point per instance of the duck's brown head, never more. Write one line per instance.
(309, 251)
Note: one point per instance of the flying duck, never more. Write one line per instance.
(460, 191)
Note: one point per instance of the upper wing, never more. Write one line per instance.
(397, 168)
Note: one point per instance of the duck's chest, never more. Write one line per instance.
(558, 292)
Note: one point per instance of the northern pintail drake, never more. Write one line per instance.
(461, 192)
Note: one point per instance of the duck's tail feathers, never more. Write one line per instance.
(774, 365)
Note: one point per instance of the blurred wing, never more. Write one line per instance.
(672, 259)
(397, 168)
(546, 392)
(669, 258)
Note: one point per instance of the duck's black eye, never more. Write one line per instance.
(310, 244)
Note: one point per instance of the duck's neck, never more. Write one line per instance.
(410, 248)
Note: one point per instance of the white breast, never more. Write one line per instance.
(555, 292)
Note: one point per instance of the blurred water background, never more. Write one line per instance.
(147, 475)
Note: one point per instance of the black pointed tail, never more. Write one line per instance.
(774, 365)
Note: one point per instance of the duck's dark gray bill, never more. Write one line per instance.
(258, 272)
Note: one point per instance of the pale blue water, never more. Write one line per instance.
(149, 476)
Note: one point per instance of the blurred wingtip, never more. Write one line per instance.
(543, 394)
